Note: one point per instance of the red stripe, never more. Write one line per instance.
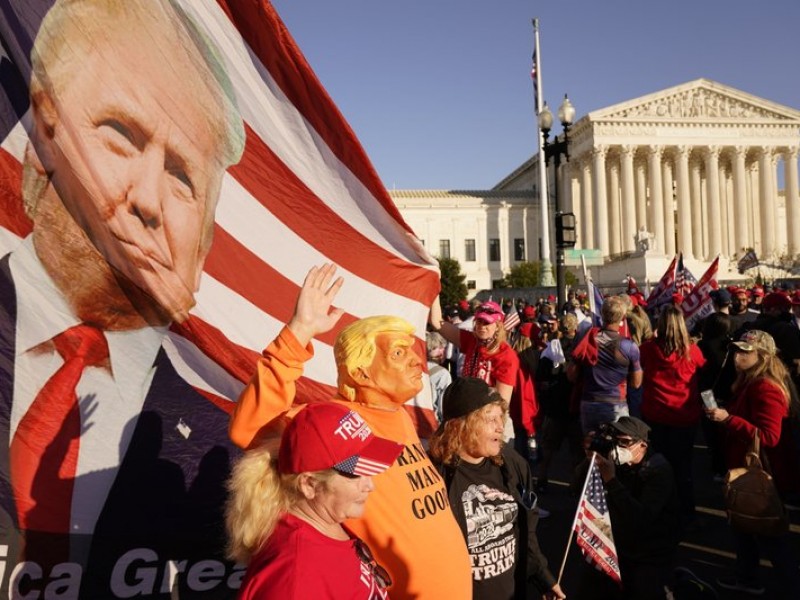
(257, 281)
(262, 30)
(279, 190)
(12, 214)
(240, 362)
(218, 401)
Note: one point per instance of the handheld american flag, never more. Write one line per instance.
(593, 526)
(684, 280)
(662, 293)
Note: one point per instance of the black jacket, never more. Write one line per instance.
(643, 504)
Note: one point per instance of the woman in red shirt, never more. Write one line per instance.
(760, 403)
(487, 354)
(670, 400)
(285, 517)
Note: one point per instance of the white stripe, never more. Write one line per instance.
(279, 125)
(244, 218)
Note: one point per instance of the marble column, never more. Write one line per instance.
(766, 194)
(614, 209)
(714, 209)
(587, 226)
(628, 199)
(724, 200)
(656, 222)
(640, 169)
(740, 210)
(669, 206)
(792, 209)
(684, 203)
(754, 208)
(697, 236)
(600, 201)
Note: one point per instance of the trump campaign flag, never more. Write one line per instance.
(699, 304)
(169, 172)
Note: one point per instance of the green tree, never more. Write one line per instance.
(453, 287)
(523, 275)
(571, 279)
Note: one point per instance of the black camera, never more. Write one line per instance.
(602, 440)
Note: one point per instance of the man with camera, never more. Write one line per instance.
(643, 505)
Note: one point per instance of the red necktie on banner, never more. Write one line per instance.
(44, 451)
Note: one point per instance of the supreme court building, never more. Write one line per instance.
(697, 168)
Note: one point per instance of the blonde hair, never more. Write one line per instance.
(72, 29)
(522, 343)
(673, 336)
(613, 310)
(355, 348)
(769, 367)
(257, 498)
(569, 322)
(462, 434)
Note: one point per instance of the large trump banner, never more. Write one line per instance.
(169, 172)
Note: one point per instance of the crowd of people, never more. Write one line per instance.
(456, 516)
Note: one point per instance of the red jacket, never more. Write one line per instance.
(762, 405)
(670, 395)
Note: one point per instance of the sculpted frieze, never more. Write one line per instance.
(623, 130)
(698, 103)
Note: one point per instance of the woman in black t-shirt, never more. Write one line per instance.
(490, 489)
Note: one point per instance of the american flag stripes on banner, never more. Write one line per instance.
(210, 106)
(304, 193)
(593, 526)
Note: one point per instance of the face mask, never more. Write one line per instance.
(622, 456)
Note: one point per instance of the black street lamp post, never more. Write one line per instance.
(565, 222)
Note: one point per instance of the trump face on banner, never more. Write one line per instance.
(155, 195)
(132, 128)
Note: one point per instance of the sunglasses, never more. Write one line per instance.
(625, 442)
(488, 310)
(380, 574)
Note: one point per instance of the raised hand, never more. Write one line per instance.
(313, 313)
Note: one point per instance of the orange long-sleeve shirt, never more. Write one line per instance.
(407, 522)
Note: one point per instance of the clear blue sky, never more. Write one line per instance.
(439, 91)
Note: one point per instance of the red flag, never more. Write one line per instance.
(593, 526)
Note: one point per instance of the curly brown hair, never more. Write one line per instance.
(462, 433)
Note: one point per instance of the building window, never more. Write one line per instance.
(444, 248)
(519, 249)
(494, 249)
(469, 250)
(471, 284)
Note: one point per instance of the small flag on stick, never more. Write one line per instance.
(593, 526)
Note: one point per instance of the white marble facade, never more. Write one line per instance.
(695, 168)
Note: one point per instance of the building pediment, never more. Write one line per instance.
(699, 100)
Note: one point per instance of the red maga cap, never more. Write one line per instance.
(328, 435)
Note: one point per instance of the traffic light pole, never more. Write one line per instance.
(554, 150)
